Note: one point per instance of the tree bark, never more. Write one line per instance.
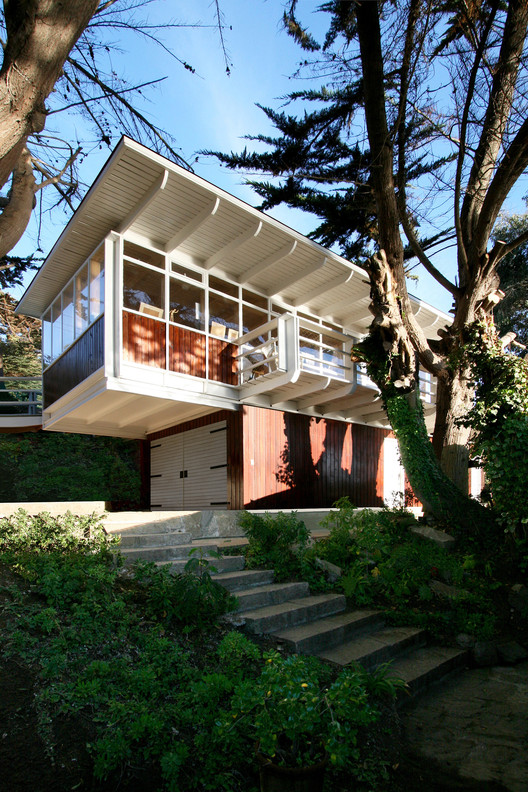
(15, 216)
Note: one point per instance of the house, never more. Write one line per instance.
(179, 315)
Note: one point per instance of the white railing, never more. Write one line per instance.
(288, 342)
(20, 396)
(427, 383)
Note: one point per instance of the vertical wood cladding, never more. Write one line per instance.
(235, 483)
(222, 361)
(143, 340)
(83, 358)
(186, 352)
(293, 461)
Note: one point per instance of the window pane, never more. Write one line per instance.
(142, 254)
(56, 328)
(223, 316)
(251, 319)
(223, 286)
(46, 338)
(68, 316)
(186, 306)
(97, 284)
(143, 290)
(255, 299)
(187, 271)
(81, 301)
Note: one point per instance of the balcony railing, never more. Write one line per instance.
(20, 396)
(290, 343)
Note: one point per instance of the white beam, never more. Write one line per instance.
(304, 390)
(150, 409)
(323, 288)
(267, 263)
(325, 398)
(284, 283)
(192, 225)
(235, 243)
(144, 202)
(267, 384)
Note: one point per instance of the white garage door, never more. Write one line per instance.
(189, 470)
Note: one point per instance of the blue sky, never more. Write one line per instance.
(210, 110)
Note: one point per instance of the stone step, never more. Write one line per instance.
(287, 614)
(225, 564)
(424, 666)
(331, 631)
(164, 552)
(151, 539)
(271, 594)
(373, 650)
(245, 578)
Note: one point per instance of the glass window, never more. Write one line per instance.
(97, 284)
(81, 301)
(255, 299)
(223, 286)
(186, 304)
(68, 316)
(279, 309)
(46, 338)
(189, 273)
(143, 290)
(143, 254)
(223, 316)
(56, 328)
(251, 319)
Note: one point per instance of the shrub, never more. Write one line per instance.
(275, 541)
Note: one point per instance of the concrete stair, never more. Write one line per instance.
(307, 624)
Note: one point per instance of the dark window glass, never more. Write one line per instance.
(143, 290)
(223, 286)
(143, 254)
(255, 299)
(223, 316)
(189, 273)
(186, 306)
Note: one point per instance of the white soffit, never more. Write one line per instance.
(163, 202)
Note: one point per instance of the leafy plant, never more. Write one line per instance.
(275, 541)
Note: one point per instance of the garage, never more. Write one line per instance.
(188, 470)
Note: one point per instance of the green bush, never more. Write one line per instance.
(275, 541)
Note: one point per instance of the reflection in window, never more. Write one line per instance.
(46, 338)
(56, 328)
(81, 301)
(142, 288)
(186, 304)
(68, 316)
(251, 319)
(223, 316)
(96, 284)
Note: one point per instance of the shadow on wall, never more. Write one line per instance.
(323, 460)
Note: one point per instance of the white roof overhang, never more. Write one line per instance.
(171, 209)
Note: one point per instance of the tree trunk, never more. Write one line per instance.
(438, 494)
(454, 398)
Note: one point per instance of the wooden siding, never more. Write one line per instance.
(222, 361)
(234, 449)
(143, 340)
(83, 358)
(295, 461)
(186, 351)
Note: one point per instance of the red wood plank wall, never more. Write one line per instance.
(186, 352)
(222, 361)
(294, 461)
(143, 340)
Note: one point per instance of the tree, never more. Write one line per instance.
(56, 58)
(19, 341)
(511, 314)
(424, 103)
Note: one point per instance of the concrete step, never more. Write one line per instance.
(373, 650)
(163, 552)
(142, 522)
(271, 594)
(131, 540)
(331, 631)
(274, 618)
(225, 564)
(245, 578)
(422, 667)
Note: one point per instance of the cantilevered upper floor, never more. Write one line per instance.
(166, 298)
